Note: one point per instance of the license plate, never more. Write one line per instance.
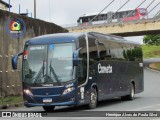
(47, 100)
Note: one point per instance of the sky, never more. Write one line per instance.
(64, 12)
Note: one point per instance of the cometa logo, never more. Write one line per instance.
(104, 69)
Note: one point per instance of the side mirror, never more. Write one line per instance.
(15, 60)
(75, 58)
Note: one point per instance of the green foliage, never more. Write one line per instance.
(158, 66)
(11, 100)
(152, 39)
(151, 51)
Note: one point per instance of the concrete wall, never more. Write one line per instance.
(10, 81)
(146, 27)
(3, 7)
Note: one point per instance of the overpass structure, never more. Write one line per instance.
(133, 28)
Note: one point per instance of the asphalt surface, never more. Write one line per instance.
(149, 100)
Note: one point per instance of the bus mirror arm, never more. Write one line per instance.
(15, 60)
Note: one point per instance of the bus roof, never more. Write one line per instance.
(112, 37)
(72, 37)
(55, 38)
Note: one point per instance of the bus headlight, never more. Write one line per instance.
(68, 90)
(28, 92)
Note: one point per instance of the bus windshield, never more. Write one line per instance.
(48, 64)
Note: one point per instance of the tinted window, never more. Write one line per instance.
(93, 53)
(116, 50)
(82, 64)
(102, 51)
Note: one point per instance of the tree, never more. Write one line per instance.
(152, 39)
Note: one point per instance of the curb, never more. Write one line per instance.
(15, 105)
(149, 68)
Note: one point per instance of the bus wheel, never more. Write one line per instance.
(93, 99)
(132, 92)
(49, 108)
(131, 95)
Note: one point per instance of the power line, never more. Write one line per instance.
(133, 11)
(150, 4)
(115, 12)
(9, 2)
(157, 13)
(102, 10)
(149, 12)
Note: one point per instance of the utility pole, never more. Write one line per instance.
(9, 5)
(19, 9)
(35, 9)
(27, 12)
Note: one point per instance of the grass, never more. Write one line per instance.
(11, 100)
(158, 66)
(151, 51)
(155, 66)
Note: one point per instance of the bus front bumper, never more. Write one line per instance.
(69, 103)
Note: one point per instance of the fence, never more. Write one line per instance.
(149, 17)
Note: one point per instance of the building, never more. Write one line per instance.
(4, 5)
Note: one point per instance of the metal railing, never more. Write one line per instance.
(120, 20)
(147, 18)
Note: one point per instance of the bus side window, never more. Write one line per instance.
(93, 53)
(81, 21)
(82, 64)
(102, 53)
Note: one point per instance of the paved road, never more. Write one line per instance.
(149, 100)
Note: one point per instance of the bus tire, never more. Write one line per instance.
(93, 99)
(49, 108)
(132, 92)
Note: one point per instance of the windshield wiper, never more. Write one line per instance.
(54, 74)
(40, 73)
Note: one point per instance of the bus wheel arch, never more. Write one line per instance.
(96, 88)
(132, 92)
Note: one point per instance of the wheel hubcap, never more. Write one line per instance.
(93, 98)
(132, 92)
